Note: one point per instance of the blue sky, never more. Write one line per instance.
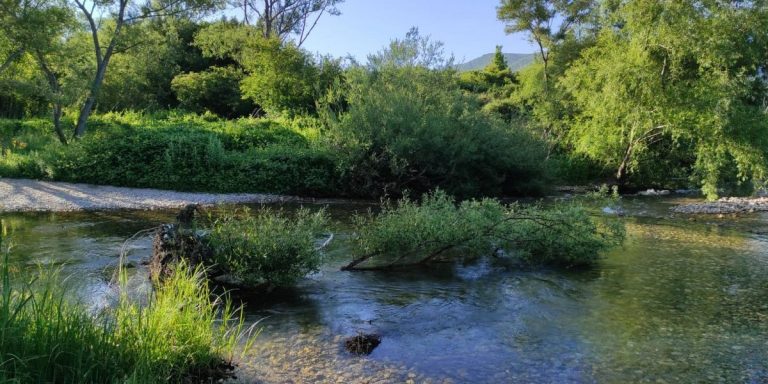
(468, 28)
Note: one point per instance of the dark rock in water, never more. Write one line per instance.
(362, 344)
(176, 242)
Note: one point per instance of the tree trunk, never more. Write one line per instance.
(53, 84)
(621, 172)
(90, 101)
(267, 19)
(57, 111)
(102, 61)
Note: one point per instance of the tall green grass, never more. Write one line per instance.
(181, 334)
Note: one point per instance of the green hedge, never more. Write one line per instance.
(179, 152)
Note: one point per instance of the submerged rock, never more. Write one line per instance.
(362, 344)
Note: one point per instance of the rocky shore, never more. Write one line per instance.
(726, 205)
(30, 195)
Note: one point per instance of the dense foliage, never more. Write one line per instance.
(265, 247)
(656, 93)
(643, 93)
(411, 232)
(177, 152)
(413, 129)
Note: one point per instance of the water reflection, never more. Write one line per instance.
(685, 300)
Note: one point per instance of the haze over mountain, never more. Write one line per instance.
(516, 61)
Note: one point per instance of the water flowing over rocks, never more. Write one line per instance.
(725, 205)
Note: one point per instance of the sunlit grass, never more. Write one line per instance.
(181, 334)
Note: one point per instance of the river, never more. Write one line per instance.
(684, 300)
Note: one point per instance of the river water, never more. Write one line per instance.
(684, 300)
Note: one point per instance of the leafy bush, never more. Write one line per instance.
(414, 129)
(297, 171)
(216, 90)
(417, 233)
(182, 334)
(267, 247)
(246, 134)
(188, 153)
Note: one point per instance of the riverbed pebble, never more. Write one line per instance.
(30, 195)
(726, 205)
(316, 357)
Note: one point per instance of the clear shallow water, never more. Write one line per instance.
(685, 300)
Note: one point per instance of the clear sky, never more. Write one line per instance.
(468, 28)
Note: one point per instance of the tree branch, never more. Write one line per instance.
(11, 58)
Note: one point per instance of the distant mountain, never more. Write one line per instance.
(516, 61)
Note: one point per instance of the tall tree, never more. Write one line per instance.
(283, 19)
(499, 62)
(279, 77)
(680, 70)
(37, 28)
(547, 22)
(414, 50)
(106, 22)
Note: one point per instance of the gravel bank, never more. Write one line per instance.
(30, 195)
(725, 205)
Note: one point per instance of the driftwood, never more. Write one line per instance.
(176, 242)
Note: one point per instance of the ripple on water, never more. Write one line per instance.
(682, 301)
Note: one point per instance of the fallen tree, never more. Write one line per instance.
(408, 233)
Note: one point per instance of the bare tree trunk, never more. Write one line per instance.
(621, 172)
(267, 19)
(544, 59)
(90, 101)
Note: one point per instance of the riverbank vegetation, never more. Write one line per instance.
(408, 233)
(181, 334)
(238, 105)
(265, 247)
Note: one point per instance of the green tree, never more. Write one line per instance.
(36, 31)
(547, 22)
(279, 77)
(216, 89)
(414, 50)
(560, 29)
(107, 22)
(680, 71)
(499, 62)
(493, 85)
(414, 129)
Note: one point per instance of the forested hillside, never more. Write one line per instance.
(515, 61)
